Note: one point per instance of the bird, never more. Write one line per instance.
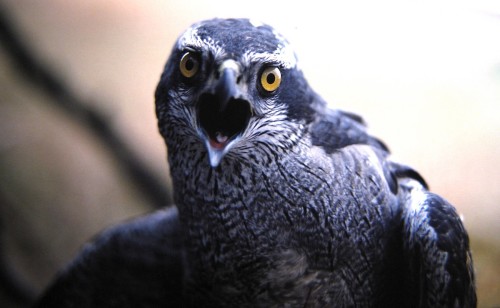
(280, 199)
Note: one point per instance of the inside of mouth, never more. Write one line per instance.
(220, 140)
(221, 125)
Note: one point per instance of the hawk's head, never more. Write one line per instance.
(233, 86)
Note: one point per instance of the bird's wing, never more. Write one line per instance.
(131, 265)
(436, 245)
(437, 248)
(335, 129)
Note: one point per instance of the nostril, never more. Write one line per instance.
(238, 79)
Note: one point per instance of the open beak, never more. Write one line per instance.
(223, 113)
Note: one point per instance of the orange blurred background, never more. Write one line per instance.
(425, 76)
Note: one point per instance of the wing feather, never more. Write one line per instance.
(335, 129)
(437, 246)
(134, 264)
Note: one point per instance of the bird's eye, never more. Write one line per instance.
(270, 79)
(189, 64)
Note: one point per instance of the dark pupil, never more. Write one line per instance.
(270, 78)
(189, 64)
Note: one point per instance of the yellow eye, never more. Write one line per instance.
(189, 65)
(270, 79)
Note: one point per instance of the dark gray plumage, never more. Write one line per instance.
(282, 202)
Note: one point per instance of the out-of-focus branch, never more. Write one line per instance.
(37, 73)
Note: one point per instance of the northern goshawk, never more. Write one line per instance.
(280, 200)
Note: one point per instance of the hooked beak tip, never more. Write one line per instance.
(217, 149)
(215, 155)
(215, 159)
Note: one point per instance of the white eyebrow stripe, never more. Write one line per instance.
(282, 56)
(190, 38)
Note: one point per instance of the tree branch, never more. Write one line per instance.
(38, 74)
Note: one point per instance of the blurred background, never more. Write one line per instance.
(425, 76)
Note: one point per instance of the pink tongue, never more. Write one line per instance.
(220, 140)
